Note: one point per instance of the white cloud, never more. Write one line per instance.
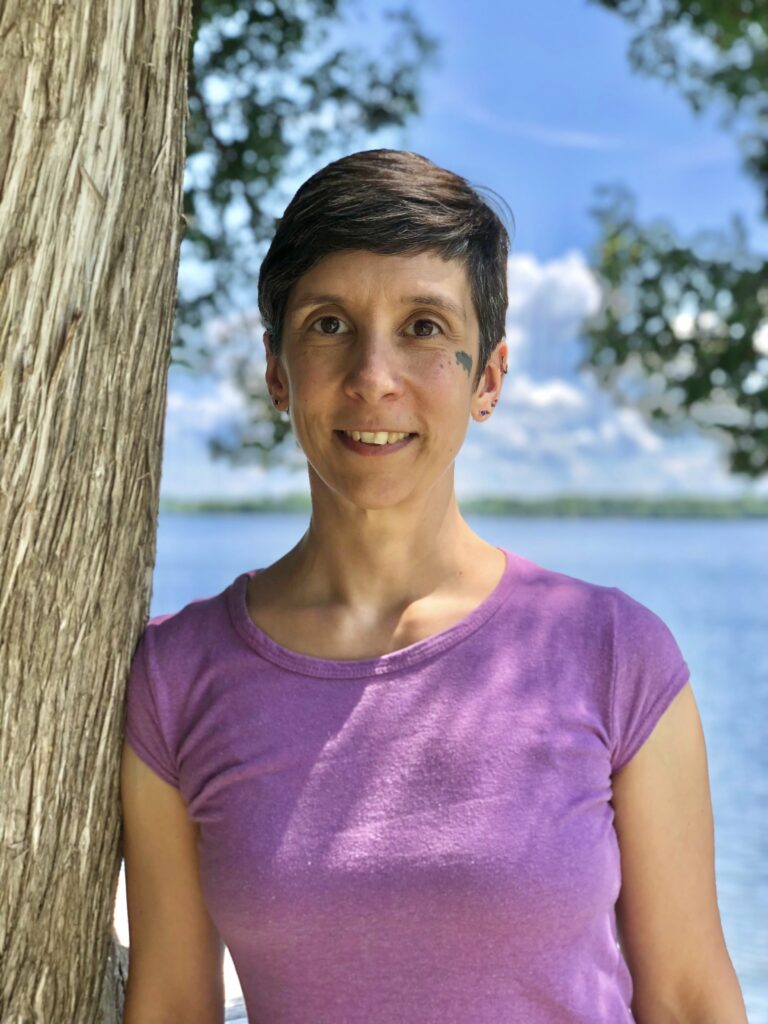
(670, 158)
(199, 414)
(553, 394)
(548, 135)
(634, 427)
(547, 304)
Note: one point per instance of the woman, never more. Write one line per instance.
(402, 773)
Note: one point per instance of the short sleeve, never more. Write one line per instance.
(143, 722)
(648, 672)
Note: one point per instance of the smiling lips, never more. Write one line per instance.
(378, 442)
(377, 436)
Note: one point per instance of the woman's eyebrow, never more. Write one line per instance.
(426, 299)
(316, 300)
(440, 302)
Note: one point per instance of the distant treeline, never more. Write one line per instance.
(560, 505)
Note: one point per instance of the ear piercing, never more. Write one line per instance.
(484, 412)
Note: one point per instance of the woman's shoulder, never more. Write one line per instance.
(560, 592)
(195, 624)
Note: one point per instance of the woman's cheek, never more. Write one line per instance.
(313, 378)
(446, 366)
(459, 361)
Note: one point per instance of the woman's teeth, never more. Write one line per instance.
(377, 437)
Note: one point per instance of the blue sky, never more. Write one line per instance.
(537, 102)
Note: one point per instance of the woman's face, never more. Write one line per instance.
(381, 343)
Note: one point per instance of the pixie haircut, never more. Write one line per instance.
(393, 202)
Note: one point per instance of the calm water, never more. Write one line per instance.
(708, 580)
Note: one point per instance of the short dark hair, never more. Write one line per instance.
(389, 201)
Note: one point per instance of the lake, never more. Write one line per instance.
(706, 578)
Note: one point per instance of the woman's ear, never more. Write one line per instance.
(489, 387)
(276, 386)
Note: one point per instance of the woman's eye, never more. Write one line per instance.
(424, 320)
(330, 325)
(333, 321)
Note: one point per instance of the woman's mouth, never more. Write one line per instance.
(379, 443)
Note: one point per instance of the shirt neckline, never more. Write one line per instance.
(383, 664)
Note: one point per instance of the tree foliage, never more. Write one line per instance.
(276, 87)
(683, 330)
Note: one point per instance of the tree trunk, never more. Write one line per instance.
(91, 163)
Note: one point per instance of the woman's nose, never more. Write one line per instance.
(373, 369)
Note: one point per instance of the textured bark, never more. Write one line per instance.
(92, 117)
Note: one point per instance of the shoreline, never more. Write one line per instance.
(570, 506)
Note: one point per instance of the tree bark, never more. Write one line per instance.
(92, 125)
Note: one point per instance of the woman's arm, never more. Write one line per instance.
(667, 913)
(175, 957)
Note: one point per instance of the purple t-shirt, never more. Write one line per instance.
(424, 836)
